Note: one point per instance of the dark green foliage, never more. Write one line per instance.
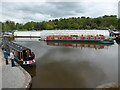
(119, 24)
(105, 22)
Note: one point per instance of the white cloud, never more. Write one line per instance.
(95, 9)
(119, 10)
(36, 10)
(60, 0)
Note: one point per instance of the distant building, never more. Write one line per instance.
(45, 33)
(26, 34)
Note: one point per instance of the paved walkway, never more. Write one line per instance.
(1, 69)
(13, 77)
(1, 58)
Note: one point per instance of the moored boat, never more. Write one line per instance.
(23, 55)
(99, 39)
(106, 42)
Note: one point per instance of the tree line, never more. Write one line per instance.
(103, 22)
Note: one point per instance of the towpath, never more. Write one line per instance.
(13, 77)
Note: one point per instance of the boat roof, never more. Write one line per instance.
(15, 46)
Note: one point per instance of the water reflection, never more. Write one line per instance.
(71, 66)
(31, 70)
(118, 41)
(55, 71)
(80, 45)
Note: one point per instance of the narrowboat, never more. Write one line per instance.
(99, 39)
(117, 34)
(23, 55)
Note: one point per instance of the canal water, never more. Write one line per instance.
(71, 65)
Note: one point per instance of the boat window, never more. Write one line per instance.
(56, 38)
(86, 38)
(98, 38)
(16, 54)
(28, 53)
(60, 37)
(92, 37)
(78, 38)
(21, 55)
(74, 38)
(24, 55)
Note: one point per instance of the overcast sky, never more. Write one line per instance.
(23, 11)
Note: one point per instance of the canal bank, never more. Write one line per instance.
(14, 77)
(72, 67)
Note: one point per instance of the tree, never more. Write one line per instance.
(49, 27)
(39, 26)
(30, 25)
(8, 26)
(119, 24)
(104, 22)
(0, 26)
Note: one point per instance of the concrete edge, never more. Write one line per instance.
(109, 85)
(28, 78)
